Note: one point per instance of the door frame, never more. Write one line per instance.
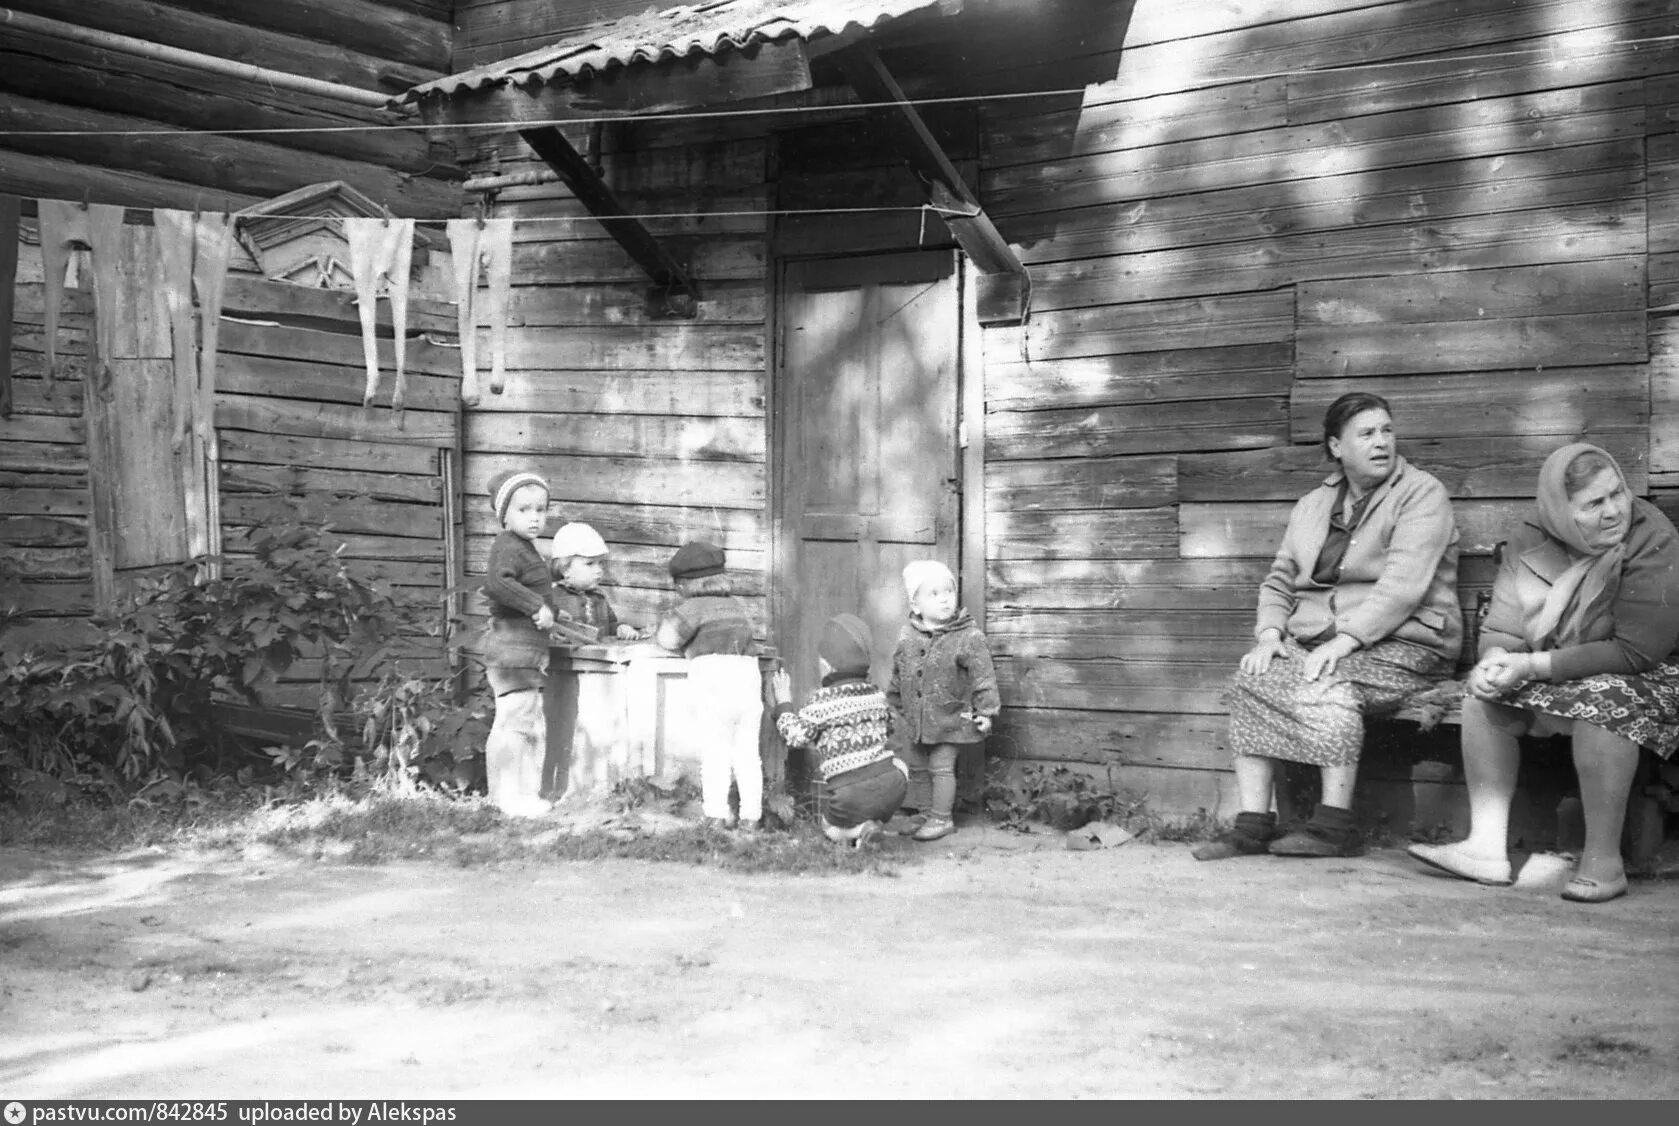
(969, 437)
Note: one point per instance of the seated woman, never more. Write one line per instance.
(1578, 641)
(1358, 612)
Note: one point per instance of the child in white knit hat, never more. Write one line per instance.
(943, 690)
(520, 595)
(578, 564)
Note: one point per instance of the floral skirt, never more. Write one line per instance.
(1643, 708)
(1280, 714)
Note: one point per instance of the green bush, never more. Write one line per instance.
(136, 703)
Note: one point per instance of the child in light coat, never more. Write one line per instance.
(845, 723)
(577, 564)
(710, 628)
(519, 592)
(943, 691)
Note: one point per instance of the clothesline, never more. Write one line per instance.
(736, 213)
(1598, 51)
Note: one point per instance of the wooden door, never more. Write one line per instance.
(867, 417)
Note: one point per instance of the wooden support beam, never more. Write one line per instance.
(946, 190)
(674, 293)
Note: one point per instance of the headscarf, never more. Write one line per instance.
(1585, 593)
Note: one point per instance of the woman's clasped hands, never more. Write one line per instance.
(1499, 673)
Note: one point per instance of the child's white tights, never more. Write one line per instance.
(728, 698)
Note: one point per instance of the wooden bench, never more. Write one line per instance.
(1655, 786)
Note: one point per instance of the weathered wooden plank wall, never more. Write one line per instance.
(651, 430)
(294, 437)
(52, 83)
(1230, 234)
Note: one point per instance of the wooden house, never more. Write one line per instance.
(1054, 290)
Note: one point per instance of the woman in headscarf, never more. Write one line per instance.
(1358, 612)
(1578, 641)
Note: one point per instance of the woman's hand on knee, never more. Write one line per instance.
(1322, 660)
(1258, 659)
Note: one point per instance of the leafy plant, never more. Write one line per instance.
(1058, 796)
(109, 714)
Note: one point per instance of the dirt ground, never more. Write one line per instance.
(1000, 966)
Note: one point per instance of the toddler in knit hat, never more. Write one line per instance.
(943, 690)
(844, 726)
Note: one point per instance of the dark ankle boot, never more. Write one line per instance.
(1330, 832)
(1249, 836)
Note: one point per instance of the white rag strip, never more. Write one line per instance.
(381, 250)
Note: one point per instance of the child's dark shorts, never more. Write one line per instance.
(869, 793)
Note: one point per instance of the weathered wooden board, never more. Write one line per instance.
(629, 480)
(1539, 121)
(665, 525)
(45, 67)
(556, 214)
(1011, 627)
(42, 457)
(41, 531)
(46, 634)
(1136, 428)
(43, 502)
(1346, 351)
(1209, 322)
(1490, 466)
(344, 515)
(339, 348)
(1664, 404)
(334, 420)
(1605, 230)
(317, 382)
(590, 303)
(1254, 529)
(1123, 533)
(634, 347)
(1147, 584)
(31, 563)
(693, 394)
(237, 165)
(1614, 285)
(241, 477)
(612, 434)
(1579, 174)
(164, 23)
(1591, 400)
(31, 176)
(1194, 742)
(598, 260)
(1243, 371)
(50, 598)
(380, 30)
(327, 453)
(1119, 686)
(330, 310)
(1077, 642)
(43, 429)
(1086, 482)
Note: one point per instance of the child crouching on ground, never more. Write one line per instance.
(577, 564)
(516, 646)
(943, 691)
(710, 628)
(845, 723)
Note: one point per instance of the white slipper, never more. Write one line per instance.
(1453, 860)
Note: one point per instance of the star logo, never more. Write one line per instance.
(14, 1113)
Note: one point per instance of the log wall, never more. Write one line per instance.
(1230, 234)
(49, 83)
(294, 438)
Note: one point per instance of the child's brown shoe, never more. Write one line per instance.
(935, 828)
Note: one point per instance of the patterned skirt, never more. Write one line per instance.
(1643, 708)
(1280, 714)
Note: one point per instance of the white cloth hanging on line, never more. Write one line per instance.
(381, 250)
(63, 225)
(488, 244)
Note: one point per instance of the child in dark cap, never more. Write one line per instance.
(845, 722)
(710, 628)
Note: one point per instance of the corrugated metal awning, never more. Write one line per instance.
(698, 30)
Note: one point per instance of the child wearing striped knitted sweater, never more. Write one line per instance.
(845, 723)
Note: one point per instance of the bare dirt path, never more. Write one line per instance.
(999, 967)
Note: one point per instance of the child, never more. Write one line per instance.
(709, 627)
(845, 722)
(516, 647)
(944, 691)
(576, 566)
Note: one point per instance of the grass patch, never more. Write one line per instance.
(378, 826)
